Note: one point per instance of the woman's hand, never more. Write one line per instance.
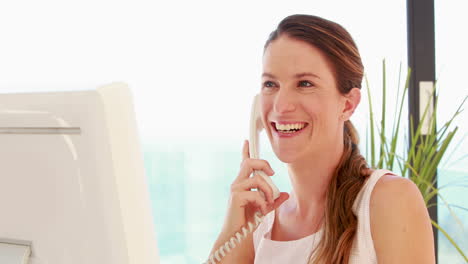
(243, 204)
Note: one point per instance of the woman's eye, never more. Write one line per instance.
(268, 84)
(305, 84)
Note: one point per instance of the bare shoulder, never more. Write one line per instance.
(396, 191)
(400, 223)
(391, 183)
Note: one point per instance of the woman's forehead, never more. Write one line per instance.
(289, 57)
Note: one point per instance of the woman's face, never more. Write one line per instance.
(299, 92)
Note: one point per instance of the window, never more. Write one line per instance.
(450, 58)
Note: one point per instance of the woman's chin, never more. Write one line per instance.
(287, 157)
(286, 160)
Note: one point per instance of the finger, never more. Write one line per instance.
(280, 200)
(255, 182)
(245, 197)
(245, 150)
(249, 165)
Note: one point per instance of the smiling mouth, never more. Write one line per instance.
(288, 128)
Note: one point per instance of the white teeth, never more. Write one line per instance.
(288, 127)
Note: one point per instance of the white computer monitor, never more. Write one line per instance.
(72, 182)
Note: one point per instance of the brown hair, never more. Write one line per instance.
(337, 45)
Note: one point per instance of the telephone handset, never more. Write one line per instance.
(255, 129)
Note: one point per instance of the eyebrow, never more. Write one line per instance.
(297, 76)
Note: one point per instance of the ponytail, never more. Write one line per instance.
(340, 222)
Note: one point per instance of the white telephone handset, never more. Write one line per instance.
(255, 129)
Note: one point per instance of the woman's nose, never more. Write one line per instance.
(284, 102)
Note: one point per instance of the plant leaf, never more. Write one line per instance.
(450, 239)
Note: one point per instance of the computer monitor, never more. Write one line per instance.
(72, 182)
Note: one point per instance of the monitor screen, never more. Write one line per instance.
(72, 182)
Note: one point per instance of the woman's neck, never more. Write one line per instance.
(310, 180)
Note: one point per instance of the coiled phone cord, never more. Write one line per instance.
(235, 240)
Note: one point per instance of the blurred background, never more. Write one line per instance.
(194, 67)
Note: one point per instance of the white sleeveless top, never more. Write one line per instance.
(298, 251)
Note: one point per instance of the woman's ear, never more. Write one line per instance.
(352, 99)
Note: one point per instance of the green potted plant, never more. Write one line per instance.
(422, 155)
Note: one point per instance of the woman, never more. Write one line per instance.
(339, 211)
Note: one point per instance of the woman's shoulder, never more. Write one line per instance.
(380, 187)
(374, 177)
(393, 193)
(398, 215)
(386, 188)
(391, 187)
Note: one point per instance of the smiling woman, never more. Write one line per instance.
(340, 210)
(303, 90)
